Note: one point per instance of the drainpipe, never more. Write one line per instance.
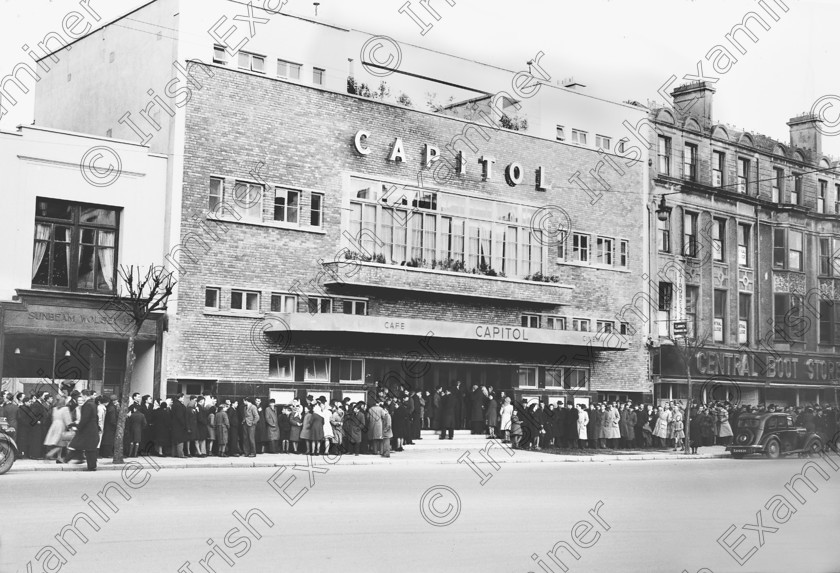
(756, 273)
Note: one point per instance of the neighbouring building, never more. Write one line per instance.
(324, 241)
(746, 252)
(65, 233)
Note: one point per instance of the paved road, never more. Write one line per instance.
(646, 516)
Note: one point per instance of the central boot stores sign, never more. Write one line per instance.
(753, 366)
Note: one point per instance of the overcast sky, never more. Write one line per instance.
(622, 50)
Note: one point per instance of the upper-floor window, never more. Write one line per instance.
(718, 239)
(220, 55)
(829, 257)
(316, 210)
(217, 187)
(531, 320)
(718, 168)
(744, 245)
(623, 254)
(664, 154)
(822, 196)
(248, 301)
(743, 175)
(247, 200)
(602, 142)
(787, 249)
(555, 322)
(319, 305)
(212, 297)
(288, 70)
(796, 192)
(318, 76)
(579, 137)
(719, 322)
(283, 303)
(663, 236)
(580, 324)
(252, 62)
(604, 326)
(75, 246)
(778, 185)
(561, 133)
(837, 199)
(604, 251)
(690, 235)
(286, 205)
(690, 162)
(354, 307)
(580, 247)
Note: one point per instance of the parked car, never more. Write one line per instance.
(8, 447)
(774, 435)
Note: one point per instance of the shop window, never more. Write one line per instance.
(351, 371)
(75, 246)
(281, 366)
(212, 296)
(246, 301)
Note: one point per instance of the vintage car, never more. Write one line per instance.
(8, 447)
(773, 434)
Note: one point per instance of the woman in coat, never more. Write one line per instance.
(337, 424)
(505, 415)
(660, 430)
(724, 430)
(58, 436)
(354, 425)
(284, 428)
(491, 416)
(271, 427)
(612, 433)
(134, 425)
(515, 427)
(531, 428)
(221, 424)
(582, 424)
(295, 427)
(211, 429)
(627, 425)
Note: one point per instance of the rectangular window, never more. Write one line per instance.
(794, 250)
(604, 326)
(319, 305)
(531, 320)
(779, 248)
(288, 70)
(246, 301)
(602, 142)
(743, 175)
(604, 251)
(394, 234)
(788, 325)
(744, 245)
(666, 293)
(251, 62)
(718, 239)
(211, 298)
(690, 162)
(835, 266)
(527, 376)
(286, 205)
(316, 210)
(575, 378)
(837, 199)
(561, 133)
(692, 295)
(718, 165)
(623, 254)
(822, 196)
(796, 192)
(664, 155)
(580, 247)
(579, 137)
(283, 303)
(555, 322)
(217, 186)
(248, 200)
(351, 371)
(281, 366)
(827, 316)
(358, 307)
(220, 55)
(318, 76)
(580, 324)
(690, 235)
(778, 185)
(825, 256)
(75, 246)
(744, 313)
(316, 369)
(664, 234)
(720, 316)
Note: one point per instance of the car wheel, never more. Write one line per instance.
(744, 437)
(773, 450)
(7, 457)
(814, 447)
(738, 456)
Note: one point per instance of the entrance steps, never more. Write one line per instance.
(461, 440)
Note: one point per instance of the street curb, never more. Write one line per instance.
(298, 460)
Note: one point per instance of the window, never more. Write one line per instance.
(778, 185)
(354, 307)
(580, 324)
(579, 137)
(288, 70)
(246, 301)
(690, 162)
(247, 200)
(718, 164)
(825, 256)
(575, 378)
(744, 311)
(531, 320)
(604, 251)
(664, 154)
(663, 235)
(690, 235)
(217, 186)
(580, 247)
(788, 324)
(286, 205)
(835, 265)
(351, 371)
(316, 369)
(796, 192)
(605, 326)
(220, 55)
(318, 76)
(664, 301)
(794, 250)
(74, 246)
(743, 175)
(319, 305)
(283, 303)
(821, 198)
(561, 133)
(527, 376)
(211, 298)
(555, 322)
(744, 245)
(623, 254)
(692, 296)
(281, 366)
(624, 328)
(619, 147)
(316, 210)
(720, 316)
(837, 199)
(602, 142)
(251, 62)
(829, 322)
(779, 248)
(718, 239)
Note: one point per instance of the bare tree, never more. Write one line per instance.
(139, 297)
(687, 348)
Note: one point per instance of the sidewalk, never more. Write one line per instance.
(407, 457)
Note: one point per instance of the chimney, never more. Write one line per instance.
(805, 133)
(694, 100)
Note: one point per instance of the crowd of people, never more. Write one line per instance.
(80, 425)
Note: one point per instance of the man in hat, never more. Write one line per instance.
(86, 439)
(249, 425)
(109, 427)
